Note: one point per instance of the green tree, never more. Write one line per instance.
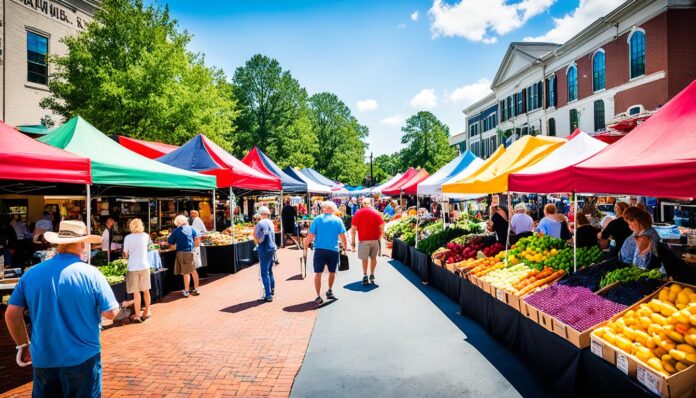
(426, 142)
(389, 165)
(341, 154)
(130, 73)
(273, 113)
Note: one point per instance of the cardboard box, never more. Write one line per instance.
(576, 338)
(681, 384)
(529, 311)
(545, 320)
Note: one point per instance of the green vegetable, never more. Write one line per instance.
(629, 274)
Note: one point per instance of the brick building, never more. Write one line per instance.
(635, 58)
(30, 31)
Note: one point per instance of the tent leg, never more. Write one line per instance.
(282, 235)
(417, 220)
(575, 234)
(89, 220)
(507, 239)
(232, 212)
(214, 213)
(149, 217)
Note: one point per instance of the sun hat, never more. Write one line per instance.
(71, 231)
(263, 210)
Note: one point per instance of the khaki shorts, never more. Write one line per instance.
(368, 249)
(184, 263)
(138, 281)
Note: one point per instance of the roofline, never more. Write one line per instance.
(490, 96)
(513, 47)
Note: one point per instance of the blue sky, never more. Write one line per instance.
(385, 59)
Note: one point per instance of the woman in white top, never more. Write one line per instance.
(138, 275)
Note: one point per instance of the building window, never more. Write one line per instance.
(37, 63)
(572, 75)
(599, 123)
(636, 49)
(551, 91)
(598, 71)
(552, 127)
(573, 120)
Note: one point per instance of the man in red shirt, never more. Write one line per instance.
(369, 225)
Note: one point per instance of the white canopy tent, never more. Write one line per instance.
(378, 189)
(312, 186)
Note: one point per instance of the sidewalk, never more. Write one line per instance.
(401, 339)
(221, 343)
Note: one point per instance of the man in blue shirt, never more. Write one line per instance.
(264, 233)
(389, 210)
(325, 231)
(185, 238)
(66, 300)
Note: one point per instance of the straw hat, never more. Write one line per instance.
(71, 231)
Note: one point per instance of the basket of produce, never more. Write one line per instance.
(115, 271)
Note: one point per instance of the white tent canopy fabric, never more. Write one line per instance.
(433, 185)
(312, 186)
(469, 170)
(378, 189)
(577, 149)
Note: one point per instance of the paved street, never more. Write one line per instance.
(398, 338)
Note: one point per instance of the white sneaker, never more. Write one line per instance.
(184, 293)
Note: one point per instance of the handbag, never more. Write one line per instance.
(344, 264)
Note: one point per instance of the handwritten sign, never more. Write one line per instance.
(596, 347)
(650, 380)
(622, 362)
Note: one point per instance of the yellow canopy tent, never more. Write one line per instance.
(492, 177)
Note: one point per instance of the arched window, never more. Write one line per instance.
(599, 123)
(552, 127)
(598, 71)
(573, 120)
(572, 75)
(636, 51)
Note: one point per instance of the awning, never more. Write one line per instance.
(378, 189)
(202, 155)
(408, 174)
(493, 178)
(26, 159)
(318, 177)
(411, 186)
(258, 160)
(433, 184)
(36, 129)
(149, 149)
(312, 186)
(531, 179)
(115, 165)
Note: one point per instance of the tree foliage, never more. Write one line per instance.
(130, 73)
(274, 113)
(426, 140)
(341, 149)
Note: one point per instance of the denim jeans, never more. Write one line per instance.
(83, 380)
(266, 260)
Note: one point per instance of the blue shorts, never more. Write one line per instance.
(322, 258)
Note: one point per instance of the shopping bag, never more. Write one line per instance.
(197, 257)
(343, 264)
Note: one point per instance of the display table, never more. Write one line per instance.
(245, 255)
(219, 259)
(400, 252)
(157, 287)
(445, 281)
(419, 263)
(567, 370)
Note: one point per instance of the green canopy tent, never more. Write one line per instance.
(115, 166)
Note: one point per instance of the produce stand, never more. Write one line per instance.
(219, 259)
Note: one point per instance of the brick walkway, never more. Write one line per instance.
(222, 343)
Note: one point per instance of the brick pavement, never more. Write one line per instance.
(221, 343)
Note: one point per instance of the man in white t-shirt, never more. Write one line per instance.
(197, 223)
(138, 276)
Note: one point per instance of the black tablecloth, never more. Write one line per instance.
(400, 252)
(219, 259)
(568, 370)
(420, 262)
(157, 287)
(245, 255)
(445, 281)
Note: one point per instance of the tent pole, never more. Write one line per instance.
(232, 212)
(149, 217)
(417, 219)
(89, 219)
(575, 232)
(282, 235)
(214, 213)
(507, 239)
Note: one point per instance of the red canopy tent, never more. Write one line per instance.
(395, 188)
(411, 186)
(29, 160)
(149, 149)
(657, 158)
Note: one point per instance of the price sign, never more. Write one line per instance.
(500, 295)
(622, 362)
(650, 380)
(596, 347)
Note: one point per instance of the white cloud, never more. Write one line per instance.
(367, 105)
(394, 120)
(414, 16)
(572, 23)
(481, 20)
(424, 100)
(470, 93)
(401, 26)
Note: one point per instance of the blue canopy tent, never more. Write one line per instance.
(258, 160)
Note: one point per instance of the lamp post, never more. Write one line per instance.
(372, 183)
